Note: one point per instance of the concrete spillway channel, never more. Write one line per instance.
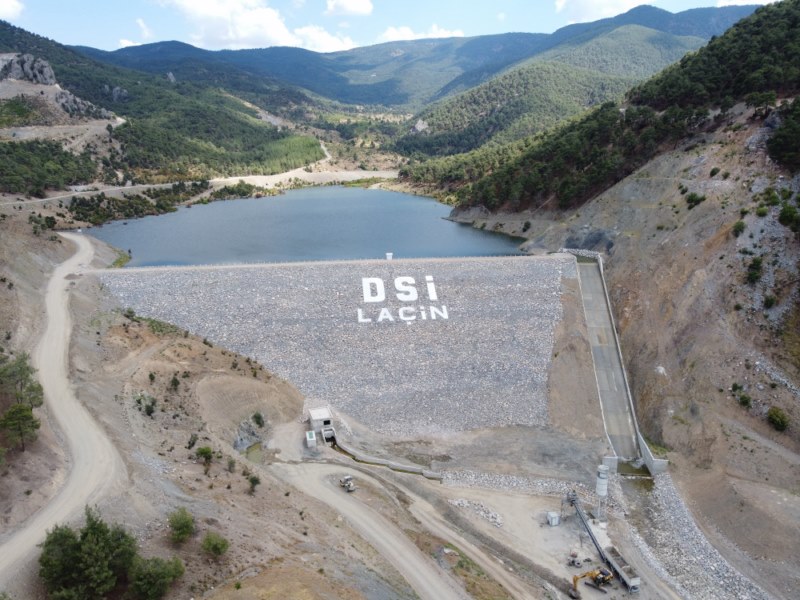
(611, 385)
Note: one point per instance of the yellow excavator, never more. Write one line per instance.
(596, 578)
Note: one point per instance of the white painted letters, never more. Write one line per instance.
(406, 292)
(432, 296)
(367, 284)
(374, 292)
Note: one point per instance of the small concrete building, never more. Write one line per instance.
(319, 418)
(311, 439)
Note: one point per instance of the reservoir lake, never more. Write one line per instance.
(309, 224)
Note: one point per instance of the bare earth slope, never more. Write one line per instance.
(696, 336)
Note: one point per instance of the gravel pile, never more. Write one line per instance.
(683, 555)
(484, 365)
(512, 483)
(483, 511)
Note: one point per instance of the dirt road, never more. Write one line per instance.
(318, 481)
(96, 467)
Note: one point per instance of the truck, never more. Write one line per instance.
(623, 570)
(347, 483)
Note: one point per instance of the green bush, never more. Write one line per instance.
(150, 578)
(214, 544)
(738, 228)
(770, 301)
(181, 524)
(87, 564)
(258, 419)
(778, 418)
(745, 400)
(754, 270)
(694, 199)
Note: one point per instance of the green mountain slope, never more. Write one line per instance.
(568, 166)
(174, 130)
(628, 51)
(408, 74)
(523, 102)
(553, 86)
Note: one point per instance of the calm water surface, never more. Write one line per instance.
(322, 223)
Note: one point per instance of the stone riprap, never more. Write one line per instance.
(471, 350)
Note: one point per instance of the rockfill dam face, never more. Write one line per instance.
(404, 347)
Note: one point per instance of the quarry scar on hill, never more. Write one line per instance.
(451, 345)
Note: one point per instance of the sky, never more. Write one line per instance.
(319, 25)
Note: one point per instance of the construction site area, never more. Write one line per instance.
(489, 390)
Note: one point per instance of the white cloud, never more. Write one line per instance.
(394, 34)
(123, 43)
(10, 9)
(349, 7)
(235, 24)
(581, 11)
(147, 33)
(315, 38)
(501, 16)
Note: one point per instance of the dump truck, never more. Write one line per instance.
(347, 483)
(623, 570)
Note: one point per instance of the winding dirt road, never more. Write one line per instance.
(96, 467)
(418, 570)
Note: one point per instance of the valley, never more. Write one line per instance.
(478, 381)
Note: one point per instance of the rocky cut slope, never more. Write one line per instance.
(31, 81)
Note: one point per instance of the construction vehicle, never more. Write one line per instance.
(347, 483)
(596, 578)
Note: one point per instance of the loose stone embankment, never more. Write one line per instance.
(406, 347)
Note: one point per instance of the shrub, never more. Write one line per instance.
(258, 419)
(150, 578)
(206, 454)
(254, 481)
(214, 544)
(745, 400)
(714, 171)
(769, 301)
(738, 228)
(754, 270)
(694, 199)
(762, 211)
(181, 524)
(778, 418)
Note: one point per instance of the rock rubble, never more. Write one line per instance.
(484, 364)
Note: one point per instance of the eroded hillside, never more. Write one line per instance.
(708, 326)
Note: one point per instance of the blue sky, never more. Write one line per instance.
(320, 25)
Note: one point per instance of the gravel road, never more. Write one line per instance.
(318, 481)
(96, 467)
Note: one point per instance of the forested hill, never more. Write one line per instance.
(408, 74)
(521, 103)
(553, 86)
(175, 130)
(756, 59)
